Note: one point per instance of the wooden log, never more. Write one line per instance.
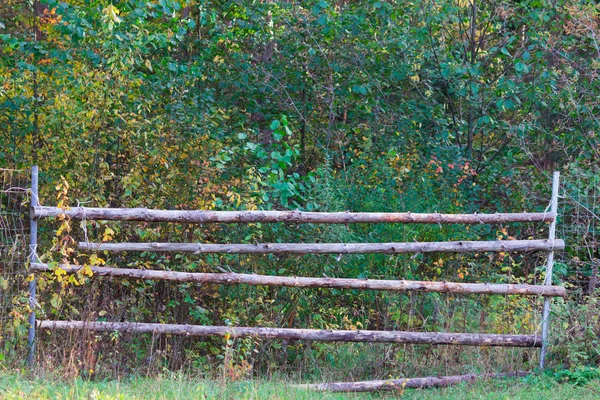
(335, 248)
(300, 217)
(437, 338)
(341, 283)
(406, 383)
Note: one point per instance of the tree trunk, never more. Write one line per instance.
(335, 248)
(465, 339)
(301, 217)
(340, 283)
(407, 383)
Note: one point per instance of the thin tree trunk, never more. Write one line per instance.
(406, 383)
(593, 277)
(336, 248)
(341, 283)
(465, 339)
(300, 217)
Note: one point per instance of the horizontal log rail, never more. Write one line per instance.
(437, 338)
(336, 248)
(405, 383)
(341, 283)
(301, 217)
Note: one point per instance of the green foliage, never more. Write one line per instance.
(449, 106)
(580, 376)
(576, 332)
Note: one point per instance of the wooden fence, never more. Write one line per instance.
(437, 338)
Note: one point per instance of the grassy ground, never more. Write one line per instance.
(16, 386)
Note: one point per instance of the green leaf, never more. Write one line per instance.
(485, 119)
(55, 301)
(359, 89)
(520, 67)
(274, 125)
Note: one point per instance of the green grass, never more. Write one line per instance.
(528, 388)
(17, 386)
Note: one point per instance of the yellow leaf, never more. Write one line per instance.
(107, 236)
(87, 270)
(148, 65)
(112, 13)
(95, 260)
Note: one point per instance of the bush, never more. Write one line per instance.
(575, 332)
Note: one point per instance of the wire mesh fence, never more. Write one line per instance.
(14, 233)
(580, 228)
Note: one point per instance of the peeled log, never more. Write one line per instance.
(336, 248)
(299, 217)
(341, 283)
(406, 383)
(465, 339)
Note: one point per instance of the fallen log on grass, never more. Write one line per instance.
(405, 383)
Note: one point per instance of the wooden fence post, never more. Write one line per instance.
(549, 265)
(35, 201)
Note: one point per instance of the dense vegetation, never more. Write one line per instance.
(421, 106)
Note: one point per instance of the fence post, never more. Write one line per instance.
(32, 258)
(549, 265)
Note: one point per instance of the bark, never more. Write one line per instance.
(340, 283)
(406, 383)
(197, 216)
(335, 248)
(437, 338)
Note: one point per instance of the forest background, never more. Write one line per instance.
(441, 105)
